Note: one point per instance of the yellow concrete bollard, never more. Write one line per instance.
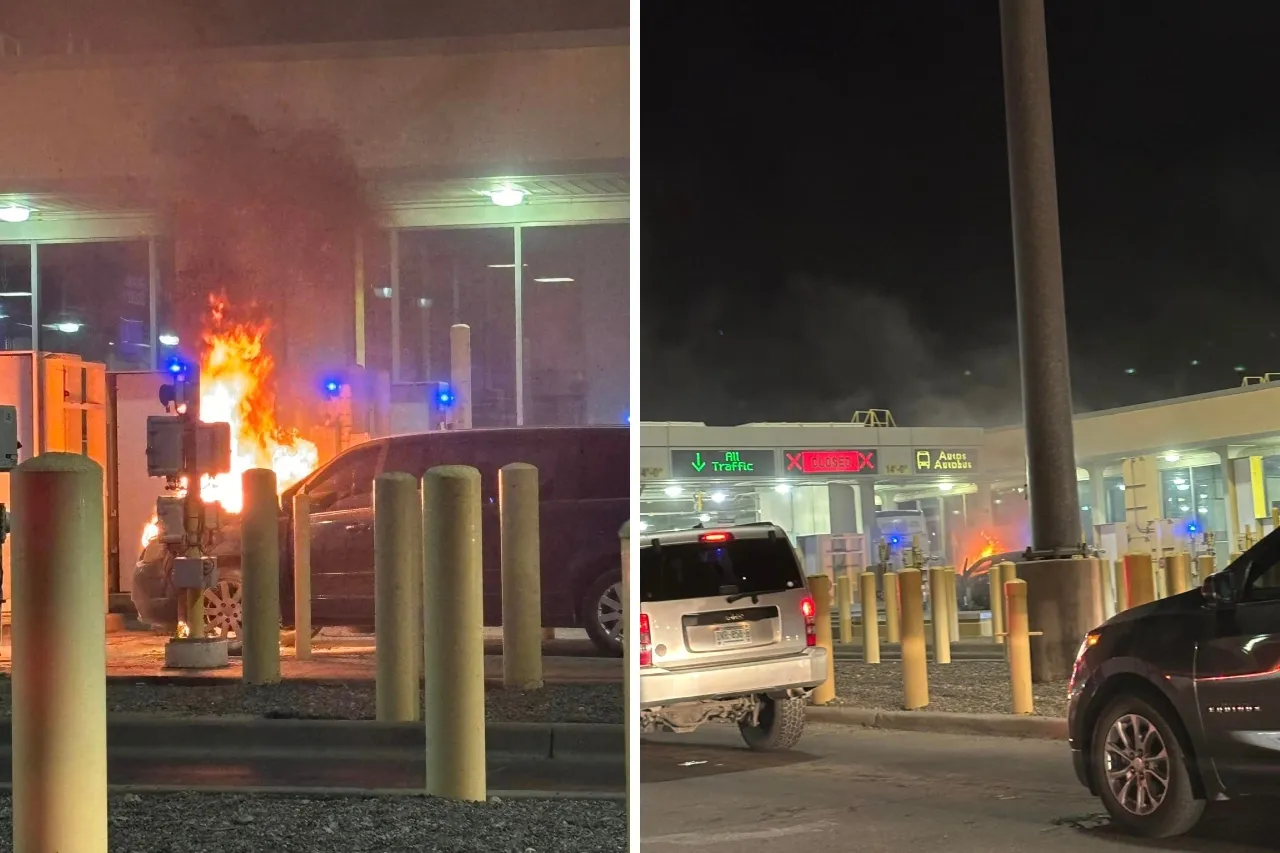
(938, 615)
(1139, 579)
(953, 604)
(453, 598)
(870, 619)
(1177, 569)
(1019, 647)
(397, 556)
(1204, 566)
(1122, 588)
(302, 575)
(1233, 556)
(820, 589)
(915, 669)
(260, 577)
(521, 577)
(844, 603)
(996, 594)
(892, 629)
(1107, 588)
(59, 657)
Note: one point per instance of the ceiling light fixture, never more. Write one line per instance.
(14, 213)
(507, 196)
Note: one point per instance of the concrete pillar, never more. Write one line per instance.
(59, 671)
(260, 577)
(1232, 499)
(302, 575)
(396, 558)
(842, 503)
(1177, 568)
(521, 577)
(1063, 604)
(867, 513)
(460, 374)
(1107, 570)
(1139, 579)
(453, 596)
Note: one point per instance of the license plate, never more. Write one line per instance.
(733, 635)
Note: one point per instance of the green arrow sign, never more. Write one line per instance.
(697, 463)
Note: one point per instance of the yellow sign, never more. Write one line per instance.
(947, 461)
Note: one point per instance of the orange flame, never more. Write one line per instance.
(236, 388)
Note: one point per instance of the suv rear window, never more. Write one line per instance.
(703, 570)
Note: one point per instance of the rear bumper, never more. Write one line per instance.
(796, 672)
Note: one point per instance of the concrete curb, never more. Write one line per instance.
(320, 793)
(145, 734)
(233, 679)
(942, 722)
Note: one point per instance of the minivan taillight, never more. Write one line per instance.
(808, 608)
(646, 641)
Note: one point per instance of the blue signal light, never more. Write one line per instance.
(176, 367)
(1192, 527)
(894, 540)
(331, 388)
(445, 396)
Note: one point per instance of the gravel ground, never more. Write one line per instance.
(220, 823)
(966, 687)
(555, 703)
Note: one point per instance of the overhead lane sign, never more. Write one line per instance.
(830, 461)
(936, 460)
(723, 463)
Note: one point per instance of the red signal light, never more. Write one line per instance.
(716, 537)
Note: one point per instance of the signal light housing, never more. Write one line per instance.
(716, 538)
(646, 641)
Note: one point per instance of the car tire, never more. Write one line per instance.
(1130, 733)
(780, 723)
(601, 610)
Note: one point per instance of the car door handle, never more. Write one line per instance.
(358, 527)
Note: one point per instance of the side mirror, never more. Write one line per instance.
(1219, 589)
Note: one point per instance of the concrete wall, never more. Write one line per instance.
(413, 108)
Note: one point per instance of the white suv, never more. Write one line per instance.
(727, 633)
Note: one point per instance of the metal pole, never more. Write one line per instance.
(260, 577)
(302, 575)
(519, 288)
(153, 295)
(460, 374)
(1037, 255)
(395, 305)
(59, 657)
(454, 633)
(397, 558)
(521, 577)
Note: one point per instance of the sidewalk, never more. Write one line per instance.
(139, 655)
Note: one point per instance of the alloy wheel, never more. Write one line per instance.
(1137, 764)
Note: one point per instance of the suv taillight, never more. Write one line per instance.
(808, 608)
(646, 640)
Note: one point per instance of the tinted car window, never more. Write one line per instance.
(348, 484)
(605, 469)
(702, 570)
(407, 456)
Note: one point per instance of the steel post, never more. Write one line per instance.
(260, 577)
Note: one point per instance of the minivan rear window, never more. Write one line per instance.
(704, 570)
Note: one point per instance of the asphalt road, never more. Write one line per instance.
(889, 792)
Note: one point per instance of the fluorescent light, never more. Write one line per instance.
(382, 292)
(1171, 457)
(66, 328)
(946, 487)
(644, 525)
(14, 293)
(718, 497)
(168, 340)
(556, 280)
(704, 518)
(424, 302)
(14, 213)
(502, 266)
(672, 491)
(507, 196)
(782, 488)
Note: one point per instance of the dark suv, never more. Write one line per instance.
(584, 486)
(1177, 702)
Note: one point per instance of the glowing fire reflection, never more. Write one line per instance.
(236, 388)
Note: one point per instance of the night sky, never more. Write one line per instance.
(825, 213)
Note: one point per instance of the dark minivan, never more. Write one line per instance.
(584, 486)
(1177, 702)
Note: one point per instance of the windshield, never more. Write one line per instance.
(703, 570)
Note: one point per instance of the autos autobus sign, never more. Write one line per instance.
(830, 461)
(935, 460)
(722, 463)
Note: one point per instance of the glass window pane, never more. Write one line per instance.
(1115, 500)
(1175, 491)
(576, 329)
(377, 300)
(463, 275)
(94, 302)
(15, 297)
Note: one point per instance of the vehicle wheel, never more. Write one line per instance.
(223, 609)
(1141, 772)
(780, 724)
(602, 612)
